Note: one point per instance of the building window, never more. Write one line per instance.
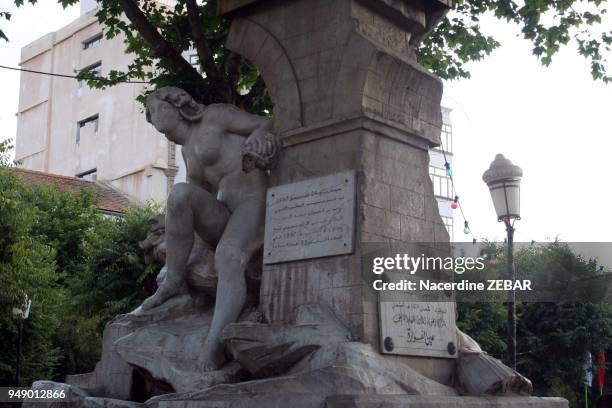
(447, 138)
(91, 175)
(87, 126)
(442, 185)
(448, 223)
(95, 69)
(92, 42)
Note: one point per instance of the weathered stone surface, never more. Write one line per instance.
(232, 400)
(412, 401)
(295, 392)
(316, 356)
(97, 402)
(75, 398)
(113, 376)
(479, 374)
(271, 349)
(372, 372)
(164, 345)
(73, 395)
(347, 368)
(169, 352)
(283, 400)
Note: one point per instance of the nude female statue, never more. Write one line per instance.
(223, 200)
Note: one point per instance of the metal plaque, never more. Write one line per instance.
(310, 219)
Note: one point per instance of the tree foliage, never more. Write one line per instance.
(547, 24)
(158, 35)
(554, 339)
(27, 271)
(164, 33)
(77, 266)
(112, 279)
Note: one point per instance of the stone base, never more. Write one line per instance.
(283, 400)
(230, 397)
(158, 347)
(422, 401)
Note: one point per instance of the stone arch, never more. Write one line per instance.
(401, 91)
(373, 82)
(254, 42)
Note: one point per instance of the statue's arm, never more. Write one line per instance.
(237, 121)
(261, 147)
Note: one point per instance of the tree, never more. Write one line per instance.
(117, 279)
(556, 338)
(112, 279)
(157, 35)
(27, 268)
(79, 268)
(553, 338)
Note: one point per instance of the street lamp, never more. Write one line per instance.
(504, 181)
(20, 313)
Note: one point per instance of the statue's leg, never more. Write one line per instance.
(242, 237)
(189, 209)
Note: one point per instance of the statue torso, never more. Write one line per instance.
(213, 157)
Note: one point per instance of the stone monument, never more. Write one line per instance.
(263, 302)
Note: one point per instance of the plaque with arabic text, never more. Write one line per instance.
(418, 329)
(310, 219)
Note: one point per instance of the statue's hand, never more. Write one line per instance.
(259, 150)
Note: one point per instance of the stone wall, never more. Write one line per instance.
(348, 95)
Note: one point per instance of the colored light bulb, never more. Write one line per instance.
(466, 229)
(449, 172)
(454, 205)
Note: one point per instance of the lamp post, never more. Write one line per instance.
(20, 313)
(504, 181)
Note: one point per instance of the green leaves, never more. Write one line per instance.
(79, 268)
(547, 24)
(456, 41)
(553, 339)
(7, 16)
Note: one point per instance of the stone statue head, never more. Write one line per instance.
(168, 106)
(154, 245)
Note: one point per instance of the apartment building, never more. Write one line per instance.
(68, 129)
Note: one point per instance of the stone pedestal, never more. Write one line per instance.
(413, 401)
(348, 95)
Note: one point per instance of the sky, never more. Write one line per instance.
(555, 122)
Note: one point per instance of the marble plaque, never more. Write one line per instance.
(310, 219)
(418, 329)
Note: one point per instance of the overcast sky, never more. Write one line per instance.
(555, 122)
